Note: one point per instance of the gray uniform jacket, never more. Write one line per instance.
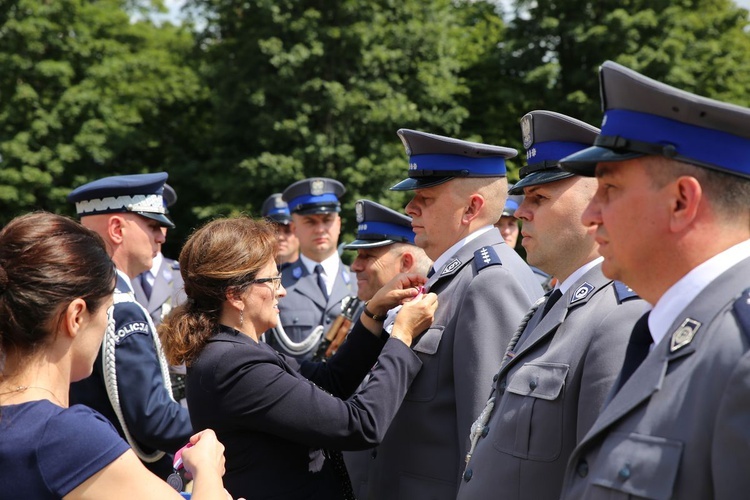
(167, 293)
(305, 306)
(548, 395)
(483, 293)
(680, 426)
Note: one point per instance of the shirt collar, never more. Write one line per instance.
(445, 256)
(578, 274)
(330, 265)
(682, 293)
(125, 278)
(157, 264)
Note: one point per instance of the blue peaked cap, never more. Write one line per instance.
(276, 209)
(645, 117)
(434, 159)
(316, 195)
(378, 226)
(142, 194)
(549, 137)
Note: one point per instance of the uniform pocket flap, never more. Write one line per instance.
(539, 380)
(640, 465)
(429, 341)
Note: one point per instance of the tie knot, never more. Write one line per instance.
(319, 269)
(553, 297)
(641, 333)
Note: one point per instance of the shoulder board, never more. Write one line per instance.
(623, 292)
(485, 257)
(741, 310)
(175, 265)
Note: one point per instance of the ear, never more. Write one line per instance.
(687, 195)
(476, 202)
(234, 299)
(115, 227)
(74, 316)
(407, 262)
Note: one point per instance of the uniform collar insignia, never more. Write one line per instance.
(582, 292)
(345, 274)
(450, 267)
(297, 272)
(684, 334)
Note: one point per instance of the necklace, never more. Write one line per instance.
(22, 388)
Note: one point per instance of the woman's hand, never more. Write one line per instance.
(401, 288)
(414, 318)
(206, 454)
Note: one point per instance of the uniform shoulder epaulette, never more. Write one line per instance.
(485, 257)
(175, 265)
(623, 292)
(741, 310)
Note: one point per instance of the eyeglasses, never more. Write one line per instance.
(275, 280)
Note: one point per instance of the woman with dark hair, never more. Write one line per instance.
(275, 415)
(56, 286)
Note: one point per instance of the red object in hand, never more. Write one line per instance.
(178, 457)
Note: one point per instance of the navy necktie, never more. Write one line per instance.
(321, 280)
(638, 348)
(553, 297)
(430, 272)
(145, 285)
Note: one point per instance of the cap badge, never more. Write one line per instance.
(279, 202)
(581, 292)
(317, 187)
(359, 209)
(684, 334)
(527, 131)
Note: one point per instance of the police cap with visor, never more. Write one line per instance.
(378, 226)
(435, 159)
(141, 194)
(276, 209)
(548, 137)
(645, 117)
(316, 195)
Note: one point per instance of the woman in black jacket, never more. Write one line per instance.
(276, 416)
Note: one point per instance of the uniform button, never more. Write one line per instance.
(295, 320)
(485, 431)
(468, 474)
(495, 377)
(532, 385)
(501, 387)
(328, 320)
(624, 473)
(582, 468)
(374, 454)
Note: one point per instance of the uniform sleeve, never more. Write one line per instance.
(730, 451)
(493, 306)
(262, 396)
(603, 360)
(341, 374)
(77, 444)
(152, 417)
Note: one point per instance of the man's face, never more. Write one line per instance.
(318, 234)
(630, 215)
(553, 235)
(375, 267)
(508, 226)
(436, 218)
(288, 243)
(142, 240)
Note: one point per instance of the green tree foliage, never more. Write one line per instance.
(552, 50)
(84, 93)
(309, 88)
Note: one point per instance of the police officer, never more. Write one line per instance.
(508, 224)
(130, 381)
(672, 219)
(557, 373)
(484, 290)
(277, 210)
(160, 289)
(385, 247)
(318, 282)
